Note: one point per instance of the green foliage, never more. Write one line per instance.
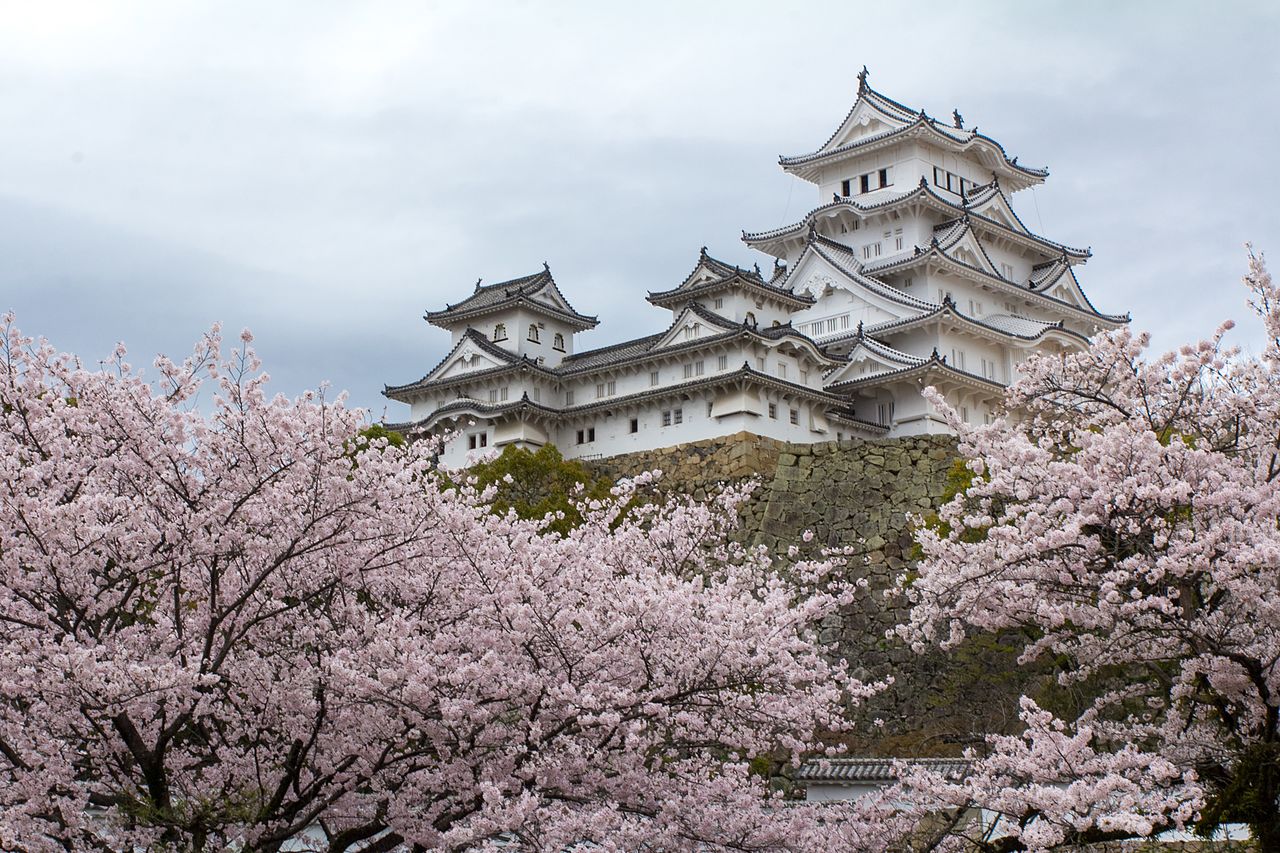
(535, 484)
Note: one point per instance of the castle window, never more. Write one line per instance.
(719, 301)
(795, 417)
(751, 318)
(884, 177)
(773, 411)
(498, 395)
(666, 417)
(653, 378)
(722, 362)
(635, 424)
(804, 377)
(568, 397)
(688, 371)
(897, 239)
(537, 394)
(865, 182)
(477, 440)
(533, 332)
(500, 332)
(844, 188)
(1006, 270)
(606, 389)
(677, 416)
(698, 367)
(782, 370)
(558, 342)
(760, 363)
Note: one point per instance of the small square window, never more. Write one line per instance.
(773, 411)
(795, 416)
(719, 301)
(666, 417)
(678, 416)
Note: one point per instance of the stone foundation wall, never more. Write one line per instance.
(858, 494)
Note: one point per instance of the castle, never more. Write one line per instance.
(917, 272)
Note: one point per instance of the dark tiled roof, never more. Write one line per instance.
(493, 296)
(923, 255)
(878, 770)
(921, 191)
(725, 276)
(469, 336)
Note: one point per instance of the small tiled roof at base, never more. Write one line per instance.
(855, 771)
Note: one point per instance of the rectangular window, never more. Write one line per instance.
(599, 390)
(635, 425)
(795, 417)
(568, 398)
(722, 362)
(537, 395)
(865, 183)
(591, 434)
(688, 371)
(884, 177)
(844, 188)
(699, 367)
(1006, 270)
(582, 437)
(804, 377)
(844, 321)
(666, 417)
(533, 333)
(877, 249)
(773, 411)
(653, 378)
(719, 301)
(938, 179)
(760, 363)
(866, 251)
(678, 416)
(782, 370)
(493, 395)
(857, 223)
(964, 413)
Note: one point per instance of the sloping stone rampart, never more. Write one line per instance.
(859, 495)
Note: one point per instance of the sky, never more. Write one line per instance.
(323, 173)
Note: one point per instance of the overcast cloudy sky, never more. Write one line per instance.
(324, 172)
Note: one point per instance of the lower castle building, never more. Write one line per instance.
(916, 273)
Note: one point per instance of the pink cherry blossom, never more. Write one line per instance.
(1124, 515)
(247, 627)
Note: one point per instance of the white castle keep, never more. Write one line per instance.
(914, 272)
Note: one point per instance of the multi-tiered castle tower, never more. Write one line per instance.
(916, 273)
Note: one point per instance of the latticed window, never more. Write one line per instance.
(500, 332)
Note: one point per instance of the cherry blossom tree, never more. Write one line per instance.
(235, 623)
(1124, 516)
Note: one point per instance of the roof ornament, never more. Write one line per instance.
(862, 80)
(702, 253)
(935, 355)
(478, 283)
(958, 119)
(546, 267)
(924, 182)
(813, 228)
(757, 269)
(1014, 161)
(859, 328)
(835, 198)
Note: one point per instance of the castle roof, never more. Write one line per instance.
(537, 292)
(986, 205)
(710, 275)
(857, 771)
(901, 123)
